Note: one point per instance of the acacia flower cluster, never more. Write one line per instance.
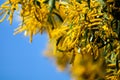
(84, 34)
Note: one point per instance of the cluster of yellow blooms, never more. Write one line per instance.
(85, 34)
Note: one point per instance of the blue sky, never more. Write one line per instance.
(20, 60)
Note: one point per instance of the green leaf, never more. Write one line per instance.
(104, 52)
(86, 35)
(111, 47)
(51, 5)
(88, 3)
(58, 16)
(78, 1)
(71, 26)
(36, 2)
(117, 63)
(118, 29)
(58, 41)
(60, 50)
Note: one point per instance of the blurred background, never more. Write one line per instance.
(21, 60)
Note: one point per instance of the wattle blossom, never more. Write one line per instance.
(84, 35)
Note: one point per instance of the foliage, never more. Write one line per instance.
(84, 34)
